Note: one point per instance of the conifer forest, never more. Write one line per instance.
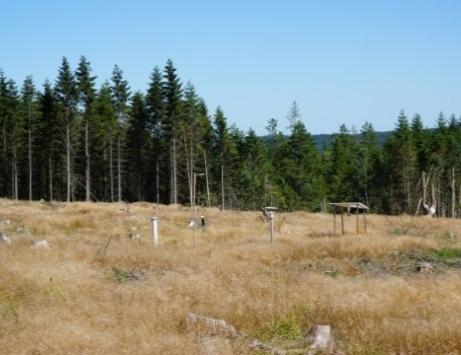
(69, 140)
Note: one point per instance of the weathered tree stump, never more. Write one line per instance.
(321, 338)
(4, 238)
(40, 244)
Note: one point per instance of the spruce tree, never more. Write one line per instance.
(222, 149)
(302, 169)
(155, 111)
(104, 126)
(400, 162)
(120, 96)
(29, 112)
(370, 168)
(138, 147)
(86, 95)
(171, 123)
(50, 139)
(66, 94)
(255, 170)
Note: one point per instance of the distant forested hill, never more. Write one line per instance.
(322, 140)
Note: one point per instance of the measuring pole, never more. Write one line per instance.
(154, 221)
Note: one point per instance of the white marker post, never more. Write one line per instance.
(271, 225)
(154, 221)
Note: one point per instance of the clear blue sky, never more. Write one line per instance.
(342, 61)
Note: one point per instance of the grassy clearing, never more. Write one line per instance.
(97, 291)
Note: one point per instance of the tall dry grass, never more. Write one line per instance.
(80, 296)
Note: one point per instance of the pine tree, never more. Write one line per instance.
(86, 94)
(255, 169)
(137, 143)
(155, 110)
(221, 145)
(205, 144)
(120, 96)
(5, 111)
(191, 135)
(13, 129)
(171, 123)
(11, 133)
(302, 169)
(275, 180)
(49, 138)
(400, 162)
(370, 167)
(30, 118)
(66, 93)
(104, 126)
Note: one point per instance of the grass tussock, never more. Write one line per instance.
(97, 291)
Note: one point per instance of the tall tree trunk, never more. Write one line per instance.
(192, 165)
(50, 173)
(453, 193)
(30, 155)
(222, 185)
(408, 192)
(434, 201)
(68, 171)
(14, 167)
(173, 177)
(87, 163)
(206, 179)
(14, 173)
(157, 181)
(4, 141)
(119, 170)
(189, 169)
(423, 178)
(175, 173)
(111, 166)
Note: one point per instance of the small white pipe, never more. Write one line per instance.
(154, 221)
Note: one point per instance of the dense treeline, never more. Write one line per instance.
(72, 141)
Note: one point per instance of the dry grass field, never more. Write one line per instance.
(96, 291)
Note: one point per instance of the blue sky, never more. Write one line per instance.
(342, 61)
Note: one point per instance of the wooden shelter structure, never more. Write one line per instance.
(357, 207)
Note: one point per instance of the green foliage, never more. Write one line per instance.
(52, 291)
(444, 254)
(121, 275)
(282, 329)
(10, 304)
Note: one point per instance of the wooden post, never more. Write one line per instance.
(334, 220)
(357, 219)
(342, 221)
(365, 220)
